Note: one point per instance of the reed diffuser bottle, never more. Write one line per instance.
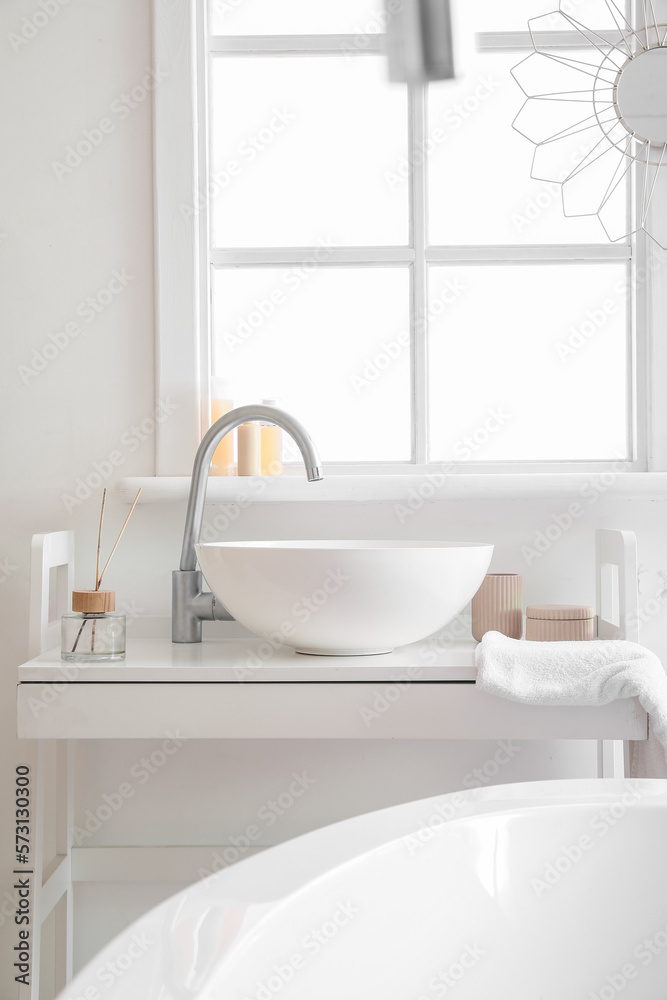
(94, 631)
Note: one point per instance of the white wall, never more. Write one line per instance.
(61, 240)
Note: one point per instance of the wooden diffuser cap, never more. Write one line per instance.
(93, 602)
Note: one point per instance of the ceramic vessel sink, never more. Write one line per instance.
(342, 598)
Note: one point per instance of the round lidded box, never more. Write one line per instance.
(560, 622)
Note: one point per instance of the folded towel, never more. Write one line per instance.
(595, 672)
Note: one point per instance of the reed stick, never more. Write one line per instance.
(76, 641)
(99, 541)
(119, 538)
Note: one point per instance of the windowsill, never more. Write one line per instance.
(402, 488)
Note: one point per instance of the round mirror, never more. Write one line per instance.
(640, 95)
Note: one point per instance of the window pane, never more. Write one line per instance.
(490, 15)
(299, 149)
(295, 17)
(480, 189)
(528, 363)
(330, 343)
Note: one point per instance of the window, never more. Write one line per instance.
(378, 258)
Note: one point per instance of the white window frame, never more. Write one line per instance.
(183, 260)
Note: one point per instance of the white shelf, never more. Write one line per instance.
(397, 488)
(230, 661)
(194, 692)
(358, 711)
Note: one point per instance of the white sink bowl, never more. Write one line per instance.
(344, 598)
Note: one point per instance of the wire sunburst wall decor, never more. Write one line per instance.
(596, 110)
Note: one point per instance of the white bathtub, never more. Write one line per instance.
(552, 890)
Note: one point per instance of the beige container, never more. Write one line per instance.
(560, 622)
(498, 606)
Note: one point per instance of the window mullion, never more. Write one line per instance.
(375, 44)
(176, 238)
(496, 41)
(418, 229)
(530, 254)
(323, 254)
(295, 45)
(650, 281)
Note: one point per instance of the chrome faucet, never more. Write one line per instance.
(190, 605)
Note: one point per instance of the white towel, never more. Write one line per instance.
(595, 672)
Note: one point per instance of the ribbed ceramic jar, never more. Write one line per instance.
(498, 605)
(560, 622)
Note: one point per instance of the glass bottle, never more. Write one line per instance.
(93, 631)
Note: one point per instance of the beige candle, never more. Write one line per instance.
(223, 456)
(272, 450)
(272, 444)
(249, 450)
(221, 403)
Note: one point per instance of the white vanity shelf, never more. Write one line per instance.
(231, 689)
(207, 691)
(242, 688)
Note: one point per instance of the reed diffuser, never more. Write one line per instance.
(95, 631)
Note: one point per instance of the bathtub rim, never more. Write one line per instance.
(331, 847)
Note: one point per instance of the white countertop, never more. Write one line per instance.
(212, 690)
(229, 661)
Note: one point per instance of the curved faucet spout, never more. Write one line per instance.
(204, 456)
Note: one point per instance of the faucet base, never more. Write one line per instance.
(190, 606)
(185, 587)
